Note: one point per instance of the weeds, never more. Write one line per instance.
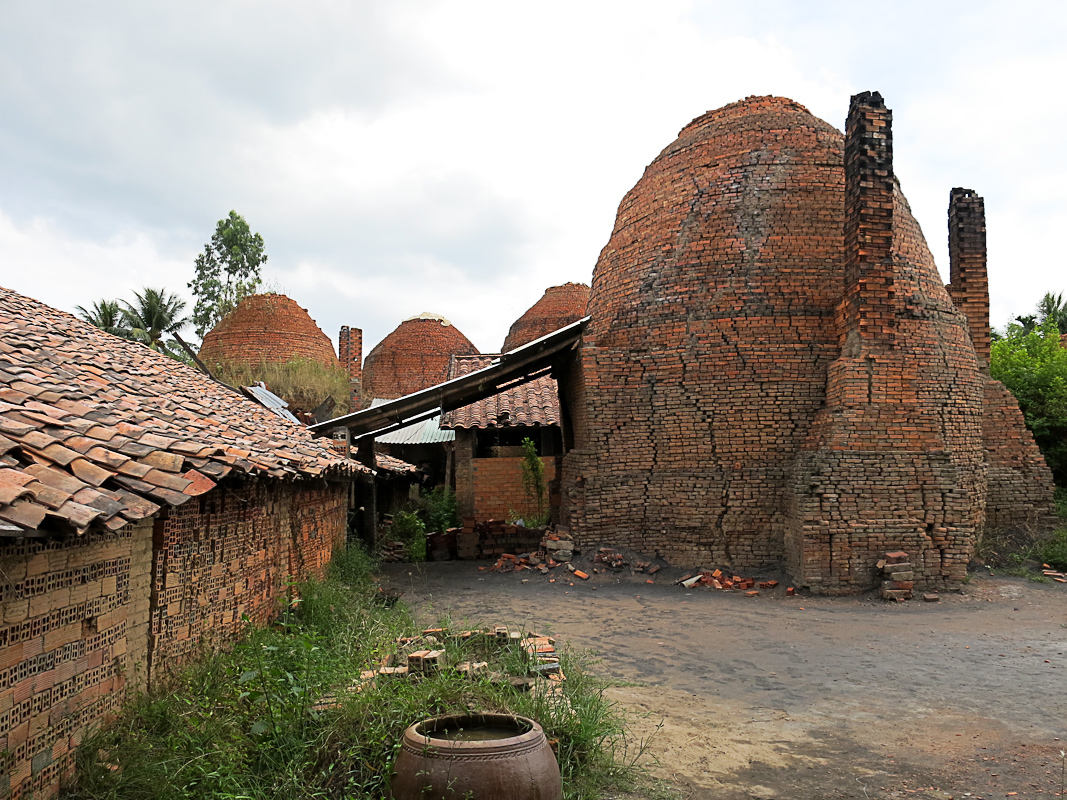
(251, 722)
(1053, 550)
(301, 382)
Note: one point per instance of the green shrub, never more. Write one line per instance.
(409, 529)
(1053, 550)
(439, 509)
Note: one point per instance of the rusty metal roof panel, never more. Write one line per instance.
(427, 431)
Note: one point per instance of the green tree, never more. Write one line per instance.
(533, 478)
(155, 314)
(226, 272)
(107, 316)
(1051, 307)
(1033, 365)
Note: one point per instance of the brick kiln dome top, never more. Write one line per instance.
(414, 356)
(267, 328)
(558, 307)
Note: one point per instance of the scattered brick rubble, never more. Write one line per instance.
(428, 653)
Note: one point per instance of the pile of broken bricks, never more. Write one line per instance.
(556, 549)
(721, 581)
(1049, 572)
(425, 655)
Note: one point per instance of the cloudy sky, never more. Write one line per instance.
(401, 156)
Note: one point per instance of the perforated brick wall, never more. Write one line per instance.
(231, 555)
(83, 619)
(266, 328)
(557, 308)
(414, 356)
(73, 637)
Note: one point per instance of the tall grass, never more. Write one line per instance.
(250, 722)
(301, 382)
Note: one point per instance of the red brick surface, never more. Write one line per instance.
(266, 328)
(497, 487)
(414, 356)
(773, 369)
(557, 308)
(350, 355)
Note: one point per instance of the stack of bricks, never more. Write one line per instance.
(414, 356)
(497, 538)
(467, 540)
(350, 355)
(898, 578)
(773, 368)
(266, 329)
(558, 545)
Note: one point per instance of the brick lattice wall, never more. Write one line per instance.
(557, 308)
(266, 328)
(414, 356)
(73, 636)
(83, 619)
(231, 555)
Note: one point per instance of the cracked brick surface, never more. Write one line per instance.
(414, 356)
(557, 308)
(774, 369)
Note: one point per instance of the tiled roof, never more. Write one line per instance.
(96, 430)
(427, 431)
(390, 464)
(533, 403)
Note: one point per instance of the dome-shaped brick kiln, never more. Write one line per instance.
(774, 370)
(266, 329)
(413, 356)
(558, 307)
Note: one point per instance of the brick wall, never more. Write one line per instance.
(350, 354)
(266, 328)
(83, 619)
(231, 554)
(968, 281)
(774, 370)
(497, 487)
(73, 636)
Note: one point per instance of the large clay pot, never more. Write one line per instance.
(477, 756)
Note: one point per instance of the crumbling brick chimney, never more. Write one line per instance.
(969, 285)
(350, 354)
(870, 319)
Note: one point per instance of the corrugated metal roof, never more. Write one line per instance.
(427, 431)
(270, 401)
(532, 403)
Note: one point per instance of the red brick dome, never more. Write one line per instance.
(558, 307)
(266, 328)
(414, 356)
(738, 400)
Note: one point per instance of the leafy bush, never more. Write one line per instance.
(1053, 550)
(439, 509)
(1033, 365)
(302, 383)
(409, 529)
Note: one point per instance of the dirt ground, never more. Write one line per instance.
(802, 697)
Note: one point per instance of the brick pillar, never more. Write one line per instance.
(350, 354)
(869, 316)
(969, 285)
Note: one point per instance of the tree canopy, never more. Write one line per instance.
(226, 272)
(107, 316)
(1033, 365)
(154, 314)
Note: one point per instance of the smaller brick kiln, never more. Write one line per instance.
(414, 356)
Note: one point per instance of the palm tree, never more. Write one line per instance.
(155, 314)
(107, 315)
(1052, 307)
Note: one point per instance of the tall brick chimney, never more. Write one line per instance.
(969, 285)
(869, 274)
(350, 354)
